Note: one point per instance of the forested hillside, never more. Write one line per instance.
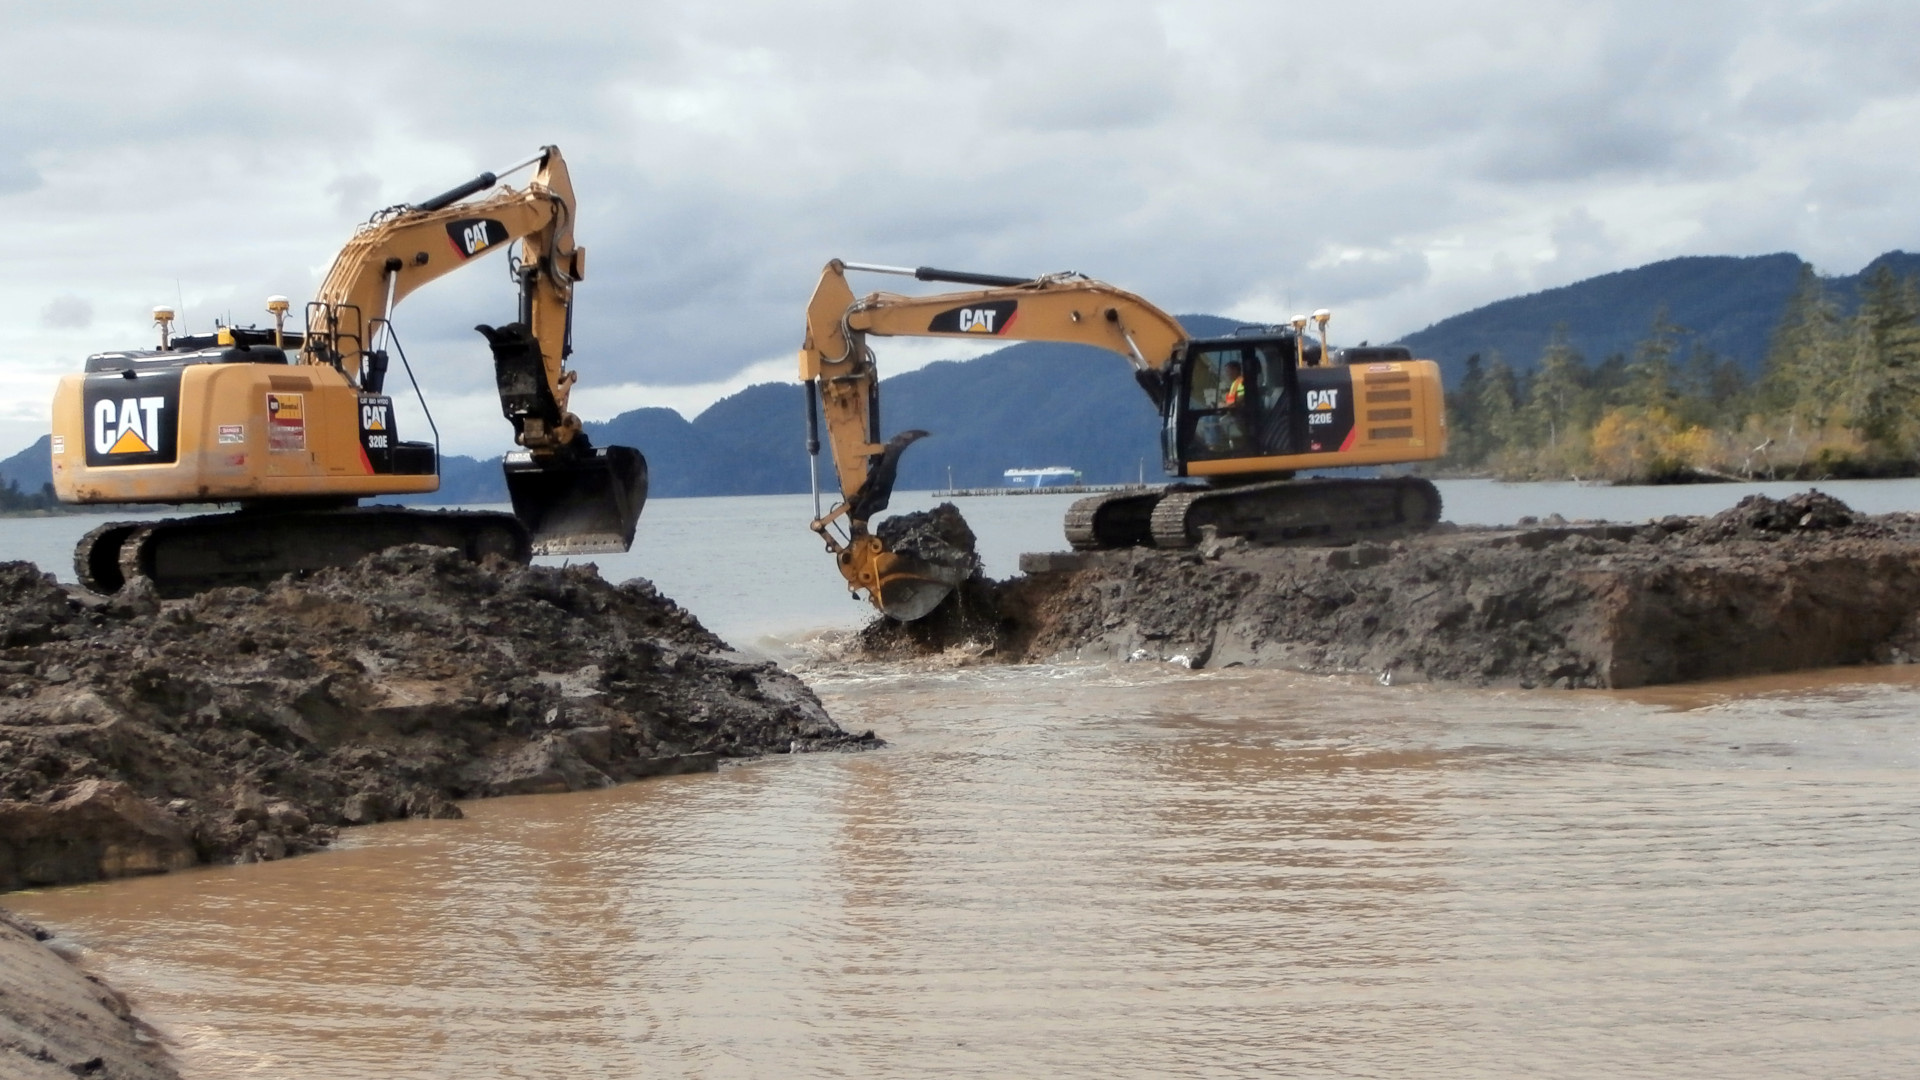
(1727, 305)
(1836, 393)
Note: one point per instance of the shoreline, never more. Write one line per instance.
(57, 1021)
(140, 736)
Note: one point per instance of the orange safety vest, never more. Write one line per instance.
(1235, 391)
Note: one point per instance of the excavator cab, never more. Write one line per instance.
(583, 503)
(1295, 410)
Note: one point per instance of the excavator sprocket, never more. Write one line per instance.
(1316, 511)
(184, 556)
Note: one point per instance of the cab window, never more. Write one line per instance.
(1207, 385)
(1216, 427)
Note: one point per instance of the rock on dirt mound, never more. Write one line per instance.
(138, 735)
(940, 535)
(1758, 515)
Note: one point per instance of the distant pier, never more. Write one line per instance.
(1051, 489)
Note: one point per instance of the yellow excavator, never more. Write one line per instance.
(1239, 414)
(296, 427)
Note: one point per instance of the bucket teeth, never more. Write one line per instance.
(584, 505)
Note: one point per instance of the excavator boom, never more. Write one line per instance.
(572, 498)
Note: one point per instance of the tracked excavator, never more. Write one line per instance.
(1240, 416)
(297, 427)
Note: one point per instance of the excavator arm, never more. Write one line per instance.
(407, 246)
(843, 384)
(573, 498)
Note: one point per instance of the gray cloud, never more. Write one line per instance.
(67, 313)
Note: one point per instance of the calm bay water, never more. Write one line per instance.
(753, 572)
(1102, 871)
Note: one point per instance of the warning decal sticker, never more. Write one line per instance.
(286, 423)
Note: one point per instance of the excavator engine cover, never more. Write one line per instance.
(583, 505)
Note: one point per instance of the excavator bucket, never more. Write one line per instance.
(918, 561)
(585, 505)
(909, 588)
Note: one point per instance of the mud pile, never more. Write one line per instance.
(138, 735)
(940, 535)
(1768, 586)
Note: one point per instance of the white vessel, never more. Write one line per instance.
(1052, 476)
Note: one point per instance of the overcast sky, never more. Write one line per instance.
(1397, 162)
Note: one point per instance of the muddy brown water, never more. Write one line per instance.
(1130, 871)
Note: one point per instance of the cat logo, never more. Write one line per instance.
(377, 437)
(128, 425)
(472, 236)
(1322, 400)
(995, 318)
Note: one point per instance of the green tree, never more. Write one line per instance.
(1712, 390)
(13, 500)
(1651, 378)
(1466, 431)
(1807, 359)
(1607, 383)
(1500, 408)
(1557, 390)
(1883, 378)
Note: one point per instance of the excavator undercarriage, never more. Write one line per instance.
(187, 555)
(1277, 512)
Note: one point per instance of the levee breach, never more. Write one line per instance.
(1768, 586)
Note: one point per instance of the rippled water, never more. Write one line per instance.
(1110, 872)
(1131, 871)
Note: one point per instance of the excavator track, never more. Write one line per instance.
(184, 556)
(1298, 511)
(1114, 519)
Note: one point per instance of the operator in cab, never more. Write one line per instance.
(1233, 402)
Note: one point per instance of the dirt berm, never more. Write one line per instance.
(138, 735)
(1768, 586)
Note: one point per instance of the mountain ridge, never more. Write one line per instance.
(1036, 404)
(1727, 303)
